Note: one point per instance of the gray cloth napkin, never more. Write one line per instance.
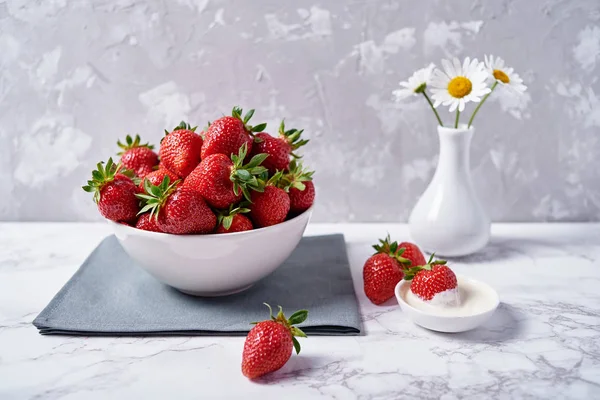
(111, 296)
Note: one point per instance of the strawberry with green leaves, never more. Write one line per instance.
(234, 220)
(270, 204)
(431, 279)
(156, 177)
(300, 187)
(383, 270)
(180, 150)
(224, 180)
(146, 222)
(227, 134)
(137, 157)
(269, 344)
(177, 209)
(279, 148)
(114, 192)
(412, 253)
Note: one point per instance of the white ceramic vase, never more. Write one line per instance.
(448, 218)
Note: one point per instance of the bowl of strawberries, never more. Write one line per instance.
(211, 213)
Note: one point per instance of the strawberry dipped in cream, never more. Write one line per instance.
(436, 290)
(434, 284)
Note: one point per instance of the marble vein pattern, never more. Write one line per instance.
(542, 343)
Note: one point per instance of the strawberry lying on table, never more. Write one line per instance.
(269, 344)
(383, 270)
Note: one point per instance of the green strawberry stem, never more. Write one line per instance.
(292, 136)
(244, 176)
(183, 126)
(275, 180)
(237, 112)
(386, 246)
(296, 176)
(132, 143)
(226, 217)
(156, 196)
(296, 318)
(104, 174)
(411, 272)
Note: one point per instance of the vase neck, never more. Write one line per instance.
(455, 147)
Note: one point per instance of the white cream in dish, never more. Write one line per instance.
(470, 297)
(447, 298)
(478, 303)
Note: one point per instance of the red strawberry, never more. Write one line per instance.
(177, 210)
(114, 193)
(278, 148)
(271, 206)
(239, 223)
(137, 157)
(147, 223)
(180, 150)
(269, 344)
(222, 181)
(430, 279)
(301, 188)
(227, 134)
(382, 271)
(413, 253)
(301, 200)
(156, 177)
(234, 221)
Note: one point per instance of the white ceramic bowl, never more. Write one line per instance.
(488, 301)
(213, 265)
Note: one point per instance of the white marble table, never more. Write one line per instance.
(544, 341)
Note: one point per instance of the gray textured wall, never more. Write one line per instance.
(77, 75)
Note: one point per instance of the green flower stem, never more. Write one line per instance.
(456, 121)
(433, 108)
(481, 103)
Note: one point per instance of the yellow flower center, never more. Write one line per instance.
(459, 87)
(501, 76)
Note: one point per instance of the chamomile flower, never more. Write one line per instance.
(416, 84)
(504, 75)
(459, 84)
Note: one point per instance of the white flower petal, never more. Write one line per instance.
(416, 80)
(458, 70)
(448, 68)
(466, 65)
(453, 106)
(487, 61)
(402, 94)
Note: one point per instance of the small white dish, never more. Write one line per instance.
(478, 302)
(213, 265)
